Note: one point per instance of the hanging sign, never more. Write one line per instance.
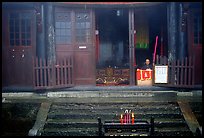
(161, 74)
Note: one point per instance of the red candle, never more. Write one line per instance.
(129, 118)
(125, 119)
(133, 118)
(121, 119)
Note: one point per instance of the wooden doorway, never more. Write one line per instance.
(112, 47)
(75, 37)
(18, 47)
(195, 41)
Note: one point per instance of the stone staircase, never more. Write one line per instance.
(80, 119)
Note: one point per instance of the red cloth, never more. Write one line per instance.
(144, 74)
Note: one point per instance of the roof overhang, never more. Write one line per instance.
(107, 4)
(84, 4)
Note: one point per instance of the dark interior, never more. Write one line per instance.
(113, 37)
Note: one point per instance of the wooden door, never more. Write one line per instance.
(18, 47)
(74, 37)
(84, 58)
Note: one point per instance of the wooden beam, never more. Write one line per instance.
(189, 116)
(40, 120)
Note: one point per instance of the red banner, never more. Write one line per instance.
(144, 74)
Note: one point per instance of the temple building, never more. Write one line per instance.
(66, 44)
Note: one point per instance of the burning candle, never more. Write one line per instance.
(133, 118)
(126, 112)
(121, 119)
(125, 118)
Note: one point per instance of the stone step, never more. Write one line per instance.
(114, 108)
(110, 116)
(89, 120)
(70, 132)
(93, 131)
(63, 124)
(76, 119)
(115, 112)
(109, 104)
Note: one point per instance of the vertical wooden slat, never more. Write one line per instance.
(58, 76)
(173, 73)
(53, 75)
(65, 71)
(61, 70)
(41, 79)
(182, 67)
(189, 72)
(185, 71)
(169, 73)
(71, 73)
(45, 72)
(193, 71)
(34, 77)
(177, 73)
(69, 70)
(37, 72)
(49, 70)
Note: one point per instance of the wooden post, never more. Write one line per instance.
(182, 33)
(40, 30)
(131, 47)
(50, 40)
(172, 31)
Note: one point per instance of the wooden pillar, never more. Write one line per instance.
(131, 47)
(182, 33)
(50, 40)
(172, 31)
(40, 31)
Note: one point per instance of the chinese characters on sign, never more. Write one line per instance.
(161, 74)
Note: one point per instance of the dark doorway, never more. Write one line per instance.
(150, 23)
(113, 36)
(113, 46)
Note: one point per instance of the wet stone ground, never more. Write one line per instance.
(18, 118)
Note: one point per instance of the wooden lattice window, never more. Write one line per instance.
(83, 27)
(197, 28)
(63, 27)
(20, 29)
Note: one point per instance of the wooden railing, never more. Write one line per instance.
(180, 72)
(56, 75)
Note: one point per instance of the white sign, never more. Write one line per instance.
(82, 47)
(161, 74)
